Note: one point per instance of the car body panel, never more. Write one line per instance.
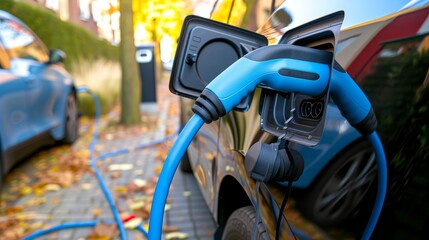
(14, 110)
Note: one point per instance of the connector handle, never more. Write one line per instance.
(351, 101)
(287, 68)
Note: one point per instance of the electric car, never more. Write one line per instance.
(37, 95)
(389, 58)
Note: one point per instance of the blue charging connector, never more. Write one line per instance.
(285, 68)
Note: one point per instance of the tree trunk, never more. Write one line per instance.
(130, 84)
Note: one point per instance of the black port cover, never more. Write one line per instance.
(205, 49)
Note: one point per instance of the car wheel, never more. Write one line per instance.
(340, 190)
(241, 223)
(71, 130)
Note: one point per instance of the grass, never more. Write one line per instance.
(103, 77)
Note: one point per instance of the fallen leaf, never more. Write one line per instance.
(209, 156)
(115, 175)
(14, 209)
(86, 186)
(176, 235)
(140, 182)
(96, 211)
(167, 207)
(138, 172)
(52, 187)
(187, 193)
(121, 189)
(103, 231)
(142, 213)
(39, 191)
(121, 167)
(147, 207)
(158, 170)
(26, 190)
(133, 188)
(169, 229)
(36, 225)
(36, 201)
(133, 223)
(136, 205)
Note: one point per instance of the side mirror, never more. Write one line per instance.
(205, 49)
(56, 56)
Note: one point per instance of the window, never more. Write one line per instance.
(53, 4)
(345, 43)
(85, 12)
(96, 11)
(19, 42)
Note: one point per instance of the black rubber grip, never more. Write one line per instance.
(368, 124)
(208, 106)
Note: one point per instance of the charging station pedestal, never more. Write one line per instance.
(145, 57)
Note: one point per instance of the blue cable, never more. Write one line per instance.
(141, 229)
(102, 184)
(60, 227)
(167, 173)
(382, 184)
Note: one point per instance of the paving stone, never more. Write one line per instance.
(183, 225)
(81, 233)
(65, 234)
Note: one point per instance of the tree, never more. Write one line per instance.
(161, 17)
(130, 84)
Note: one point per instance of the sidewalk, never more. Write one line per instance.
(125, 175)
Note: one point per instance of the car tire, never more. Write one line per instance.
(71, 129)
(339, 192)
(241, 223)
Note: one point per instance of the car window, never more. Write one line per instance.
(345, 43)
(20, 42)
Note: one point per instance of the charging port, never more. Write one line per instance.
(311, 110)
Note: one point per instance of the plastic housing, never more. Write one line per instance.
(205, 49)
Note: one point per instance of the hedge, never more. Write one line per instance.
(78, 42)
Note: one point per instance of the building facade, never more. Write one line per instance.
(98, 16)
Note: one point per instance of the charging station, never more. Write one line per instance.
(145, 57)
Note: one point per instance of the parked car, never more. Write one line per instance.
(389, 58)
(37, 95)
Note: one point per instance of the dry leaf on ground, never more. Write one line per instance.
(103, 231)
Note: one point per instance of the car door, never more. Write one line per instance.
(28, 61)
(14, 121)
